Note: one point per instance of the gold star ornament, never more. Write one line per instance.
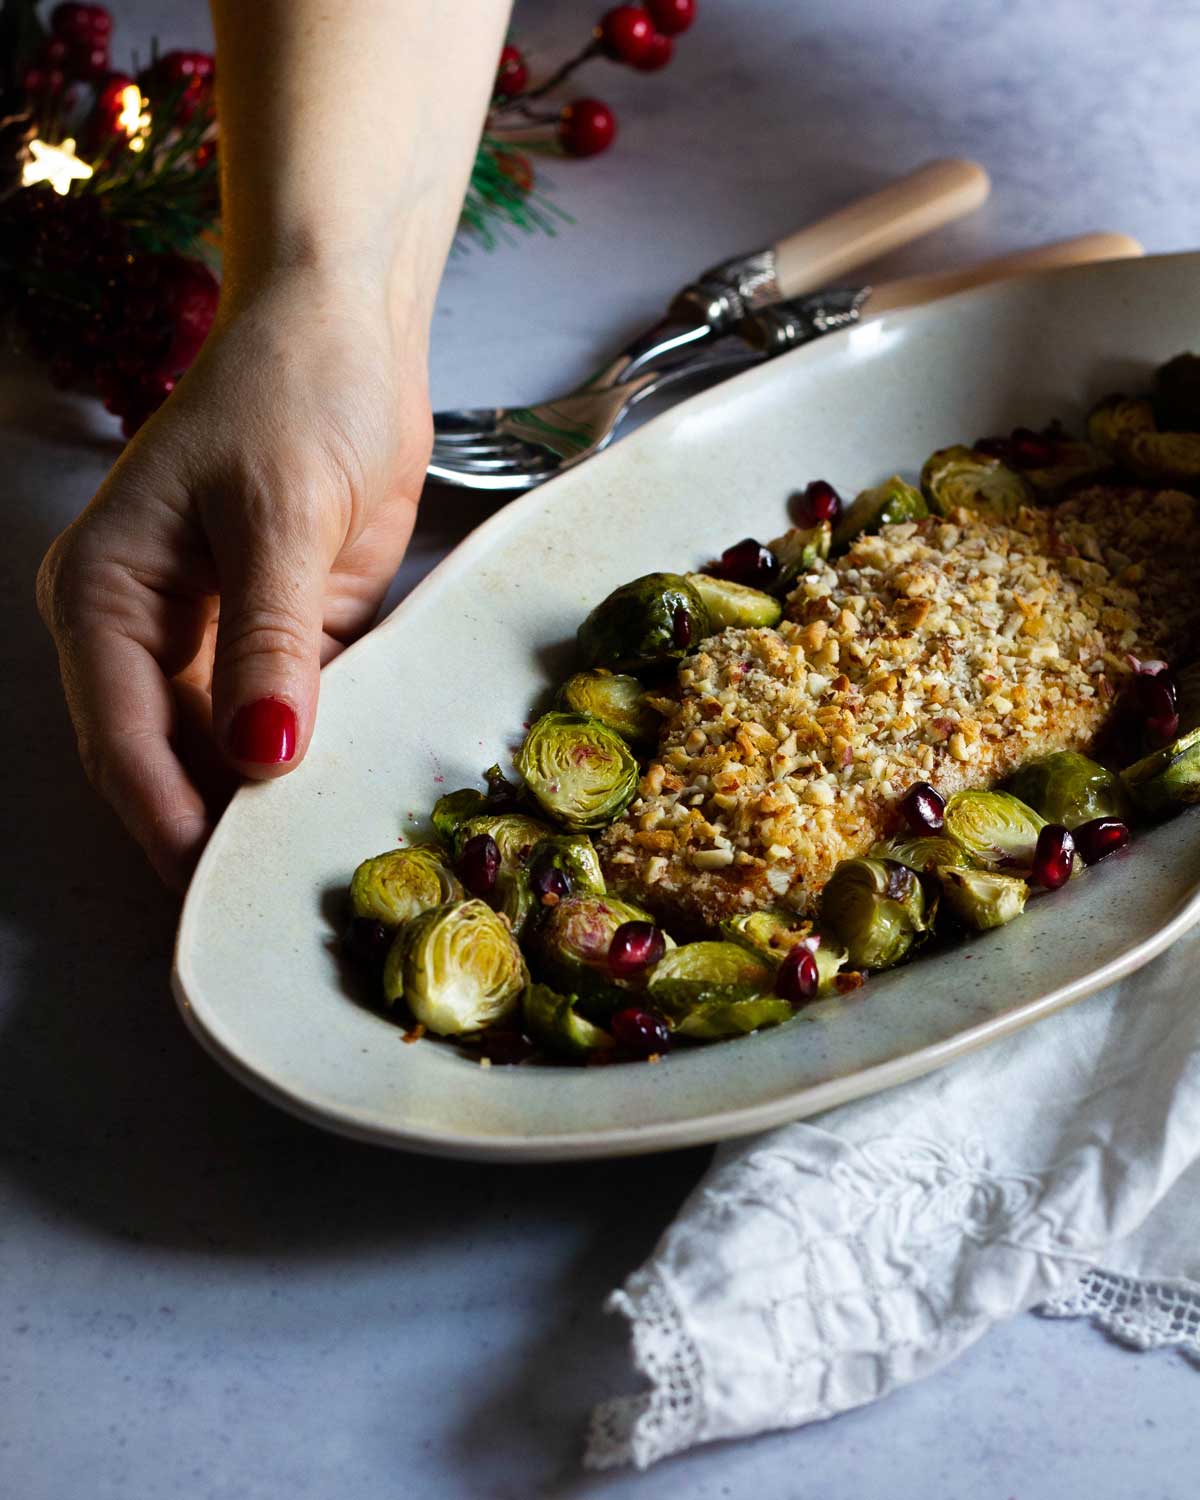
(57, 165)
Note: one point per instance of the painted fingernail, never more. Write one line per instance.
(264, 732)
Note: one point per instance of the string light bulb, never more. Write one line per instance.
(57, 165)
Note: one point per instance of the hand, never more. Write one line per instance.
(246, 535)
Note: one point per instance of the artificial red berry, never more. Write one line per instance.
(190, 293)
(798, 978)
(672, 16)
(635, 947)
(110, 97)
(43, 83)
(820, 502)
(641, 1031)
(1099, 838)
(206, 151)
(658, 55)
(479, 865)
(748, 562)
(923, 808)
(517, 168)
(54, 53)
(586, 127)
(81, 24)
(625, 33)
(90, 62)
(180, 66)
(1054, 856)
(512, 75)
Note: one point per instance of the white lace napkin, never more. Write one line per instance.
(820, 1266)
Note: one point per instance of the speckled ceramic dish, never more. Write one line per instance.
(440, 690)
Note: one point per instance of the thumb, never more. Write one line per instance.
(267, 664)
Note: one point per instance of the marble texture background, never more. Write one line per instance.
(202, 1298)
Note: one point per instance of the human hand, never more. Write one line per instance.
(247, 534)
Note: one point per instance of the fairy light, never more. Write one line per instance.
(134, 118)
(57, 165)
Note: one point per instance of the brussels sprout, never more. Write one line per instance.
(1116, 419)
(1177, 394)
(885, 505)
(569, 947)
(657, 618)
(799, 551)
(770, 935)
(959, 476)
(578, 771)
(392, 887)
(1168, 777)
(456, 967)
(700, 974)
(733, 604)
(997, 830)
(517, 836)
(618, 701)
(575, 856)
(1068, 788)
(552, 1021)
(1164, 459)
(454, 809)
(710, 1020)
(982, 898)
(1072, 463)
(921, 852)
(876, 909)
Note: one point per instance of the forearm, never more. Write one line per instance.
(347, 136)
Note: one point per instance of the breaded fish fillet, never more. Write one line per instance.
(945, 650)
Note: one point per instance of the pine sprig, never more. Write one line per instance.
(495, 202)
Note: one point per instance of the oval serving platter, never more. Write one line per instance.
(441, 688)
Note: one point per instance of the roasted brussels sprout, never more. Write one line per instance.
(1071, 464)
(876, 909)
(921, 852)
(552, 1021)
(1177, 394)
(885, 505)
(1116, 419)
(982, 898)
(799, 551)
(733, 604)
(771, 935)
(393, 887)
(710, 1020)
(707, 973)
(996, 829)
(1168, 777)
(618, 701)
(961, 477)
(1164, 459)
(457, 968)
(1068, 788)
(517, 836)
(452, 810)
(574, 856)
(580, 772)
(657, 618)
(569, 947)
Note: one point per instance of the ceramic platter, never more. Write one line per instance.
(441, 689)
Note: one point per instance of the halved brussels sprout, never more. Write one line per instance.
(1164, 459)
(921, 852)
(876, 909)
(618, 701)
(997, 830)
(799, 551)
(580, 772)
(1072, 464)
(575, 856)
(1168, 777)
(552, 1021)
(707, 973)
(1066, 787)
(771, 935)
(393, 887)
(569, 947)
(733, 604)
(454, 809)
(1177, 394)
(657, 618)
(885, 505)
(983, 898)
(456, 967)
(517, 835)
(710, 1020)
(961, 477)
(1116, 419)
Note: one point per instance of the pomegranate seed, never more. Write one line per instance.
(681, 628)
(923, 808)
(479, 865)
(821, 502)
(641, 1031)
(1029, 450)
(1053, 857)
(993, 447)
(550, 884)
(367, 941)
(634, 948)
(750, 563)
(1157, 703)
(798, 976)
(1099, 838)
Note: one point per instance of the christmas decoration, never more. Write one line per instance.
(109, 201)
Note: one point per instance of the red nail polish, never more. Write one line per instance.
(264, 732)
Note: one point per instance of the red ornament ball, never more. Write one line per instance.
(512, 75)
(43, 83)
(586, 127)
(672, 16)
(90, 62)
(181, 67)
(81, 25)
(626, 34)
(190, 292)
(659, 55)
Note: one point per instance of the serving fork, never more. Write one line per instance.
(519, 448)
